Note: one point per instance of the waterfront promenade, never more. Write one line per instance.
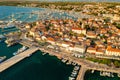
(85, 64)
(15, 59)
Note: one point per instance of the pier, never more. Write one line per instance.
(15, 59)
(81, 73)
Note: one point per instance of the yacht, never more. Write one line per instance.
(118, 74)
(92, 71)
(64, 60)
(10, 25)
(20, 50)
(71, 78)
(2, 58)
(76, 68)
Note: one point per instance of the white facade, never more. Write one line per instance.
(79, 31)
(112, 53)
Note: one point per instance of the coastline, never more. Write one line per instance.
(81, 62)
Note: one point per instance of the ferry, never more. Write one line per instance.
(2, 58)
(20, 50)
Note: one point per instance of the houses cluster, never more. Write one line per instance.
(87, 35)
(103, 10)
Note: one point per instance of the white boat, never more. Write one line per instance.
(10, 25)
(71, 78)
(76, 68)
(64, 60)
(2, 58)
(44, 53)
(92, 71)
(20, 50)
(118, 74)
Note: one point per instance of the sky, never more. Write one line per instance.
(78, 0)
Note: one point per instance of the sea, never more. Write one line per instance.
(38, 66)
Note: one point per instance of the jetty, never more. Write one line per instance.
(81, 73)
(15, 59)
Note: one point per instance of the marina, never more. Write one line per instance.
(109, 74)
(42, 14)
(26, 17)
(74, 72)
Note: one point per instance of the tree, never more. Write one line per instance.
(117, 63)
(118, 26)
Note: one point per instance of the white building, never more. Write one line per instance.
(112, 51)
(79, 30)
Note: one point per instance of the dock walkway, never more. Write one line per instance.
(15, 59)
(81, 73)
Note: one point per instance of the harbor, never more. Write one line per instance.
(20, 54)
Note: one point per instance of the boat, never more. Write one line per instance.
(74, 72)
(92, 71)
(76, 68)
(9, 25)
(44, 53)
(64, 60)
(69, 62)
(2, 58)
(73, 75)
(20, 50)
(2, 38)
(71, 78)
(73, 63)
(11, 44)
(118, 74)
(111, 75)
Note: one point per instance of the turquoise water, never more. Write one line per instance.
(26, 14)
(6, 31)
(6, 13)
(38, 67)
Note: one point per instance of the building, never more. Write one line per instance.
(91, 50)
(51, 40)
(79, 48)
(91, 34)
(79, 30)
(112, 51)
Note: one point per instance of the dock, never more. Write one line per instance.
(81, 73)
(15, 59)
